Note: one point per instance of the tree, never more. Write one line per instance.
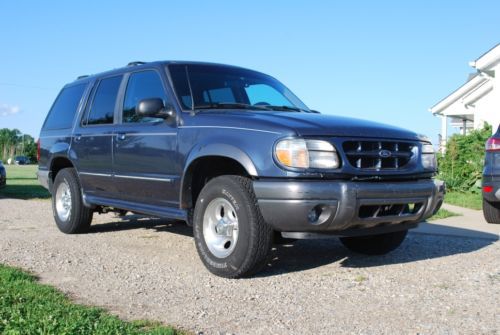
(13, 143)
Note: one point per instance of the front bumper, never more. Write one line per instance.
(347, 208)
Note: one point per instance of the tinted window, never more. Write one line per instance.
(209, 85)
(218, 95)
(103, 105)
(142, 85)
(179, 77)
(63, 111)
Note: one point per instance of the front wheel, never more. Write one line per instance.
(71, 216)
(374, 244)
(231, 236)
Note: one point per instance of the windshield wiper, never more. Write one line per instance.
(287, 108)
(229, 105)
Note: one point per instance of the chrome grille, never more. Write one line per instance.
(378, 155)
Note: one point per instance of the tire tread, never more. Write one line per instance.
(491, 211)
(81, 216)
(260, 233)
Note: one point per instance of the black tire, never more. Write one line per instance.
(491, 211)
(374, 244)
(78, 217)
(248, 253)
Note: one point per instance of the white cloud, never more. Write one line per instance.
(6, 110)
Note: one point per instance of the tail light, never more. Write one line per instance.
(493, 144)
(38, 150)
(487, 189)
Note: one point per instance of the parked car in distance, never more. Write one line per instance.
(21, 160)
(491, 179)
(236, 155)
(3, 175)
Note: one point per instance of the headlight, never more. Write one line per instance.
(304, 154)
(428, 157)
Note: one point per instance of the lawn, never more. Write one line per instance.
(27, 307)
(467, 200)
(22, 183)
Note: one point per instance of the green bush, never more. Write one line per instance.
(462, 165)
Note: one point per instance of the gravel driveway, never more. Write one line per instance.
(148, 268)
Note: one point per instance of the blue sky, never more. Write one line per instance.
(381, 60)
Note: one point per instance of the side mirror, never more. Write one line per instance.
(154, 107)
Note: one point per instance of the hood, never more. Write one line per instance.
(310, 124)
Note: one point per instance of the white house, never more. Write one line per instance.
(475, 102)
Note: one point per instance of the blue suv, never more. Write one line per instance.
(236, 155)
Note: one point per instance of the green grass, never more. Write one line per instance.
(27, 307)
(467, 200)
(22, 183)
(442, 214)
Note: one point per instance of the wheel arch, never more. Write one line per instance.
(209, 163)
(57, 164)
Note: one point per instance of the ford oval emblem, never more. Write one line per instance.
(384, 153)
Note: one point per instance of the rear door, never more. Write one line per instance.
(92, 139)
(146, 168)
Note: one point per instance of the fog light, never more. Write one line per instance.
(314, 214)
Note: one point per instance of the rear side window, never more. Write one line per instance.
(103, 105)
(63, 111)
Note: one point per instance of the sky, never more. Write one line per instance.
(387, 61)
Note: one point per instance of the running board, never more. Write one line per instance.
(161, 212)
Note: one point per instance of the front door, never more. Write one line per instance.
(146, 168)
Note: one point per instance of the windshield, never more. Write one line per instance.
(223, 87)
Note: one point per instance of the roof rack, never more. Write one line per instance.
(136, 63)
(81, 77)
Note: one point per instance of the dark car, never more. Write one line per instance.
(3, 175)
(21, 160)
(491, 179)
(236, 155)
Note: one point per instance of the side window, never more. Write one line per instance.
(103, 105)
(261, 94)
(63, 111)
(141, 85)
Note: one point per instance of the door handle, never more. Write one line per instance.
(121, 137)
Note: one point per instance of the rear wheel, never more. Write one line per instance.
(491, 211)
(71, 216)
(375, 244)
(231, 236)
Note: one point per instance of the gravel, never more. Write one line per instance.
(148, 268)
